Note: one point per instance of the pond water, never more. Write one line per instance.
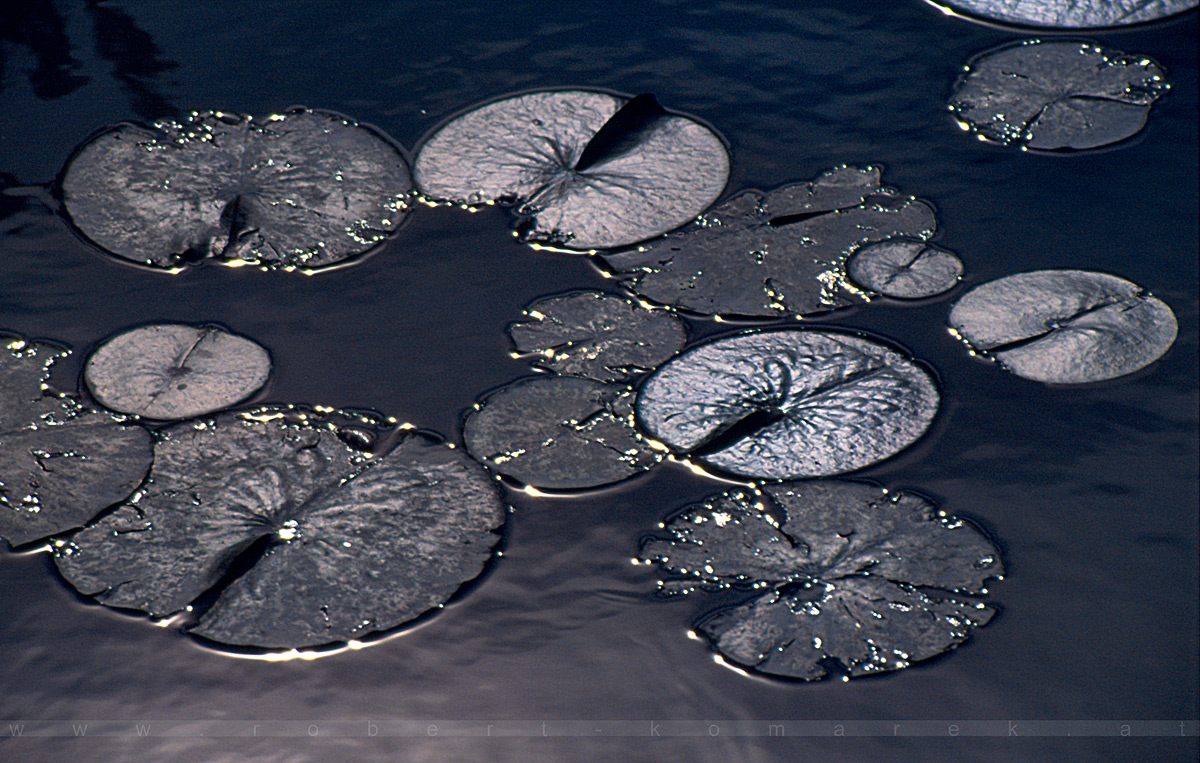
(562, 651)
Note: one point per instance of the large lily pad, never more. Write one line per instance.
(1056, 95)
(904, 269)
(789, 403)
(299, 189)
(60, 463)
(1071, 14)
(775, 254)
(337, 545)
(174, 371)
(593, 170)
(853, 573)
(1065, 326)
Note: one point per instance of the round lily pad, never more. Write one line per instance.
(299, 189)
(788, 404)
(1065, 326)
(175, 371)
(60, 463)
(1056, 95)
(854, 574)
(593, 170)
(297, 538)
(1071, 14)
(905, 269)
(558, 432)
(597, 335)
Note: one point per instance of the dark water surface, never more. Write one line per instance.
(1091, 492)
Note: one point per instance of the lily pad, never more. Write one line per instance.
(558, 432)
(1071, 14)
(593, 170)
(597, 335)
(789, 403)
(1056, 95)
(60, 463)
(1065, 326)
(905, 269)
(776, 254)
(853, 573)
(330, 544)
(174, 371)
(299, 189)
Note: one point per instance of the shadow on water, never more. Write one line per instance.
(37, 25)
(136, 60)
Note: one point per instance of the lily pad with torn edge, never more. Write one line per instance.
(330, 544)
(903, 269)
(854, 574)
(775, 254)
(788, 403)
(1056, 95)
(592, 169)
(60, 463)
(1071, 14)
(300, 189)
(1065, 326)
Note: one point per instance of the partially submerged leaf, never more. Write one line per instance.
(593, 170)
(60, 463)
(904, 269)
(775, 254)
(175, 371)
(853, 573)
(1071, 14)
(1065, 326)
(1056, 95)
(299, 189)
(788, 403)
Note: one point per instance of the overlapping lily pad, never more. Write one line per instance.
(1056, 95)
(593, 170)
(299, 189)
(870, 579)
(904, 269)
(1065, 326)
(324, 543)
(788, 404)
(775, 254)
(1071, 14)
(60, 463)
(175, 371)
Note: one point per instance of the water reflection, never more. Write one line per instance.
(37, 25)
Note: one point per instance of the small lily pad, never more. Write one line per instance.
(904, 269)
(1071, 14)
(299, 189)
(1056, 95)
(1065, 326)
(597, 336)
(301, 539)
(788, 404)
(871, 579)
(60, 463)
(174, 371)
(593, 170)
(776, 254)
(558, 432)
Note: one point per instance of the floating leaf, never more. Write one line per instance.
(1071, 14)
(905, 269)
(776, 254)
(597, 335)
(1065, 326)
(60, 463)
(334, 545)
(787, 404)
(593, 170)
(174, 371)
(558, 432)
(850, 571)
(299, 189)
(1056, 95)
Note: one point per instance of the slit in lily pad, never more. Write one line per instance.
(299, 189)
(842, 571)
(775, 254)
(787, 404)
(174, 371)
(904, 269)
(591, 169)
(1070, 14)
(1065, 326)
(558, 432)
(597, 336)
(1056, 95)
(61, 464)
(331, 544)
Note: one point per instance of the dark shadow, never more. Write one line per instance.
(37, 25)
(137, 60)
